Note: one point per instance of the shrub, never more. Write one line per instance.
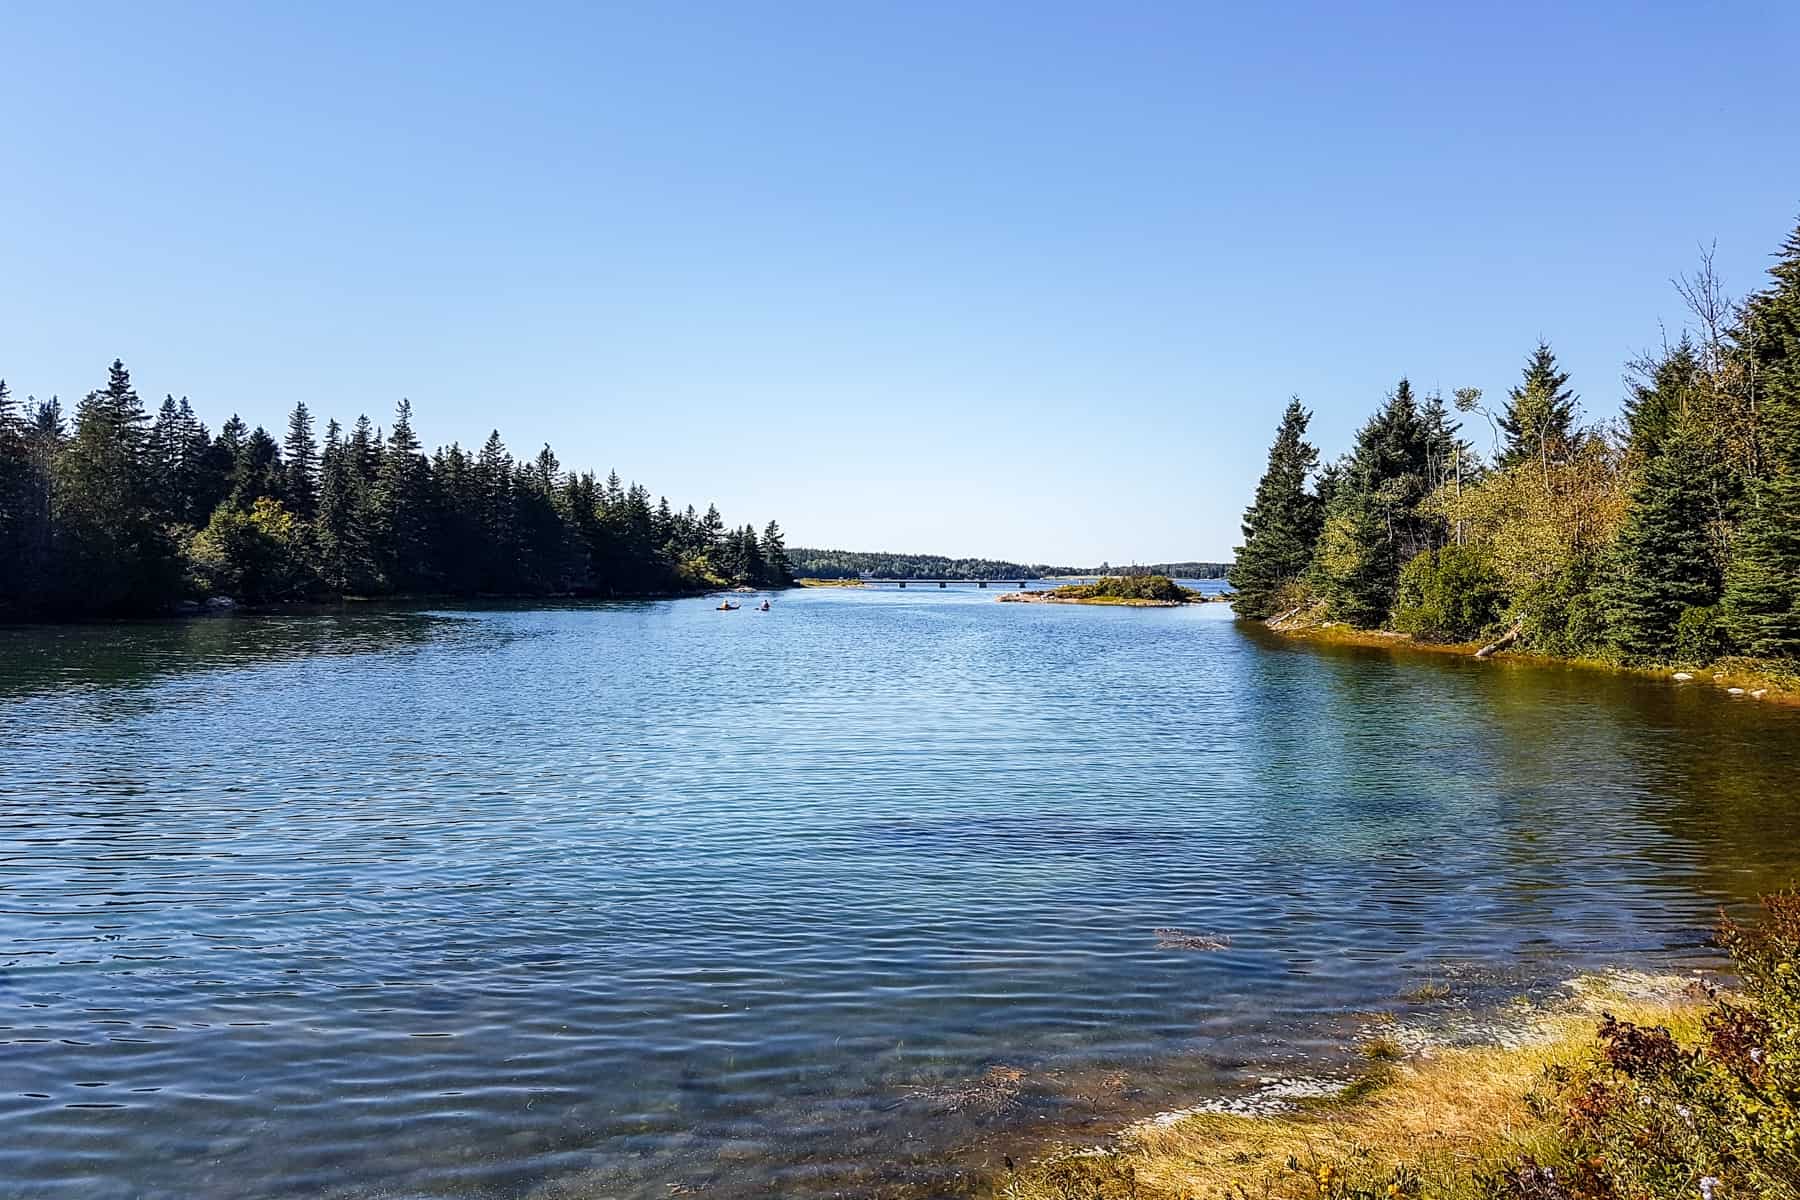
(256, 555)
(1448, 595)
(1651, 1119)
(1127, 587)
(1699, 635)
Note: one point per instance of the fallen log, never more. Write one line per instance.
(1503, 641)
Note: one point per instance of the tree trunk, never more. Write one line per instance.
(1503, 641)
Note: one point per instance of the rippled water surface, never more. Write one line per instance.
(616, 901)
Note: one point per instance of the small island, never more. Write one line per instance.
(1132, 591)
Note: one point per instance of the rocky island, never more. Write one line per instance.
(1133, 591)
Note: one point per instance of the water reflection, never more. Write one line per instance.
(605, 900)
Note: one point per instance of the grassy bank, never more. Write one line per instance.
(1755, 679)
(1630, 1092)
(828, 583)
(1433, 1125)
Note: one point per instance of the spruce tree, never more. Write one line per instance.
(401, 507)
(168, 448)
(1373, 526)
(301, 483)
(1762, 588)
(1281, 525)
(1539, 420)
(1663, 390)
(1662, 565)
(114, 556)
(775, 556)
(257, 471)
(15, 508)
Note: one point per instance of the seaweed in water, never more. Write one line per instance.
(1181, 939)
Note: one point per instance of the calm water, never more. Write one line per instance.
(612, 901)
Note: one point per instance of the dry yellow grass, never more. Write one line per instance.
(1438, 1122)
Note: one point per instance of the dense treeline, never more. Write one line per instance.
(856, 564)
(114, 513)
(1177, 570)
(1671, 536)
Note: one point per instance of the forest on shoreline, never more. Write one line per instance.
(117, 514)
(882, 564)
(1668, 537)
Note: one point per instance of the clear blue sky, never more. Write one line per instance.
(1028, 280)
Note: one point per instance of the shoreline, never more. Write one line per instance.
(1735, 678)
(225, 606)
(1436, 1095)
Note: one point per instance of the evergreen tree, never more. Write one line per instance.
(257, 471)
(750, 558)
(775, 557)
(495, 514)
(1281, 526)
(1374, 526)
(1661, 565)
(712, 530)
(402, 507)
(301, 484)
(1657, 400)
(114, 557)
(1539, 421)
(1762, 589)
(16, 509)
(201, 480)
(168, 450)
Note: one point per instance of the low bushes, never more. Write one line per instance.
(1653, 1119)
(1127, 587)
(1452, 594)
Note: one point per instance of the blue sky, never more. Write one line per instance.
(1027, 280)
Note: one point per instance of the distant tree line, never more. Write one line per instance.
(854, 564)
(1171, 570)
(116, 513)
(1670, 536)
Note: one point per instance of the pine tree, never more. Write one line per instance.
(1662, 566)
(1373, 526)
(712, 529)
(1657, 400)
(1762, 589)
(774, 547)
(1282, 523)
(750, 557)
(301, 484)
(114, 556)
(16, 582)
(496, 516)
(257, 471)
(1539, 421)
(401, 507)
(168, 448)
(200, 483)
